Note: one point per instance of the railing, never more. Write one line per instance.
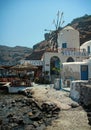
(70, 52)
(73, 52)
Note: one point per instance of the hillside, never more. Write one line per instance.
(12, 55)
(82, 24)
(41, 45)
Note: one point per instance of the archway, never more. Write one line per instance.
(70, 59)
(54, 66)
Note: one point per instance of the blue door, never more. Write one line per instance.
(84, 72)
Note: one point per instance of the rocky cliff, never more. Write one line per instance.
(83, 25)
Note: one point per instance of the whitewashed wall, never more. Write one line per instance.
(72, 69)
(70, 36)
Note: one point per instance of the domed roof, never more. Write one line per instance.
(68, 28)
(86, 43)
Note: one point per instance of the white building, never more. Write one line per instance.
(77, 70)
(69, 45)
(68, 51)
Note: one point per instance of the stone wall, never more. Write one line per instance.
(85, 94)
(85, 100)
(75, 89)
(81, 92)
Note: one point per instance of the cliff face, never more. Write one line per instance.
(83, 25)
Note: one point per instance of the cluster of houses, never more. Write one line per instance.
(64, 64)
(70, 62)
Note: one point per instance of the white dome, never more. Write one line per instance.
(88, 43)
(68, 28)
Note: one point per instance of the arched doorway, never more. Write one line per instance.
(54, 66)
(70, 59)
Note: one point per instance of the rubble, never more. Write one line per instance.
(46, 109)
(27, 114)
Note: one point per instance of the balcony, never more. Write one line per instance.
(73, 52)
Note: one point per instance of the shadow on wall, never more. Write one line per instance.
(68, 75)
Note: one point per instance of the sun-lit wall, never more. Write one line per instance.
(72, 70)
(68, 38)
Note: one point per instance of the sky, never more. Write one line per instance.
(23, 22)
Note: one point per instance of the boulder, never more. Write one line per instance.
(30, 114)
(29, 127)
(74, 105)
(50, 107)
(37, 116)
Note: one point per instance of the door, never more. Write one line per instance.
(84, 72)
(88, 49)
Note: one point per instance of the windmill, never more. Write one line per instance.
(53, 35)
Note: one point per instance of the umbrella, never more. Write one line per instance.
(24, 66)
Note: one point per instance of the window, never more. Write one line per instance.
(84, 68)
(88, 49)
(64, 45)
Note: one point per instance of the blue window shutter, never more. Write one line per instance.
(64, 45)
